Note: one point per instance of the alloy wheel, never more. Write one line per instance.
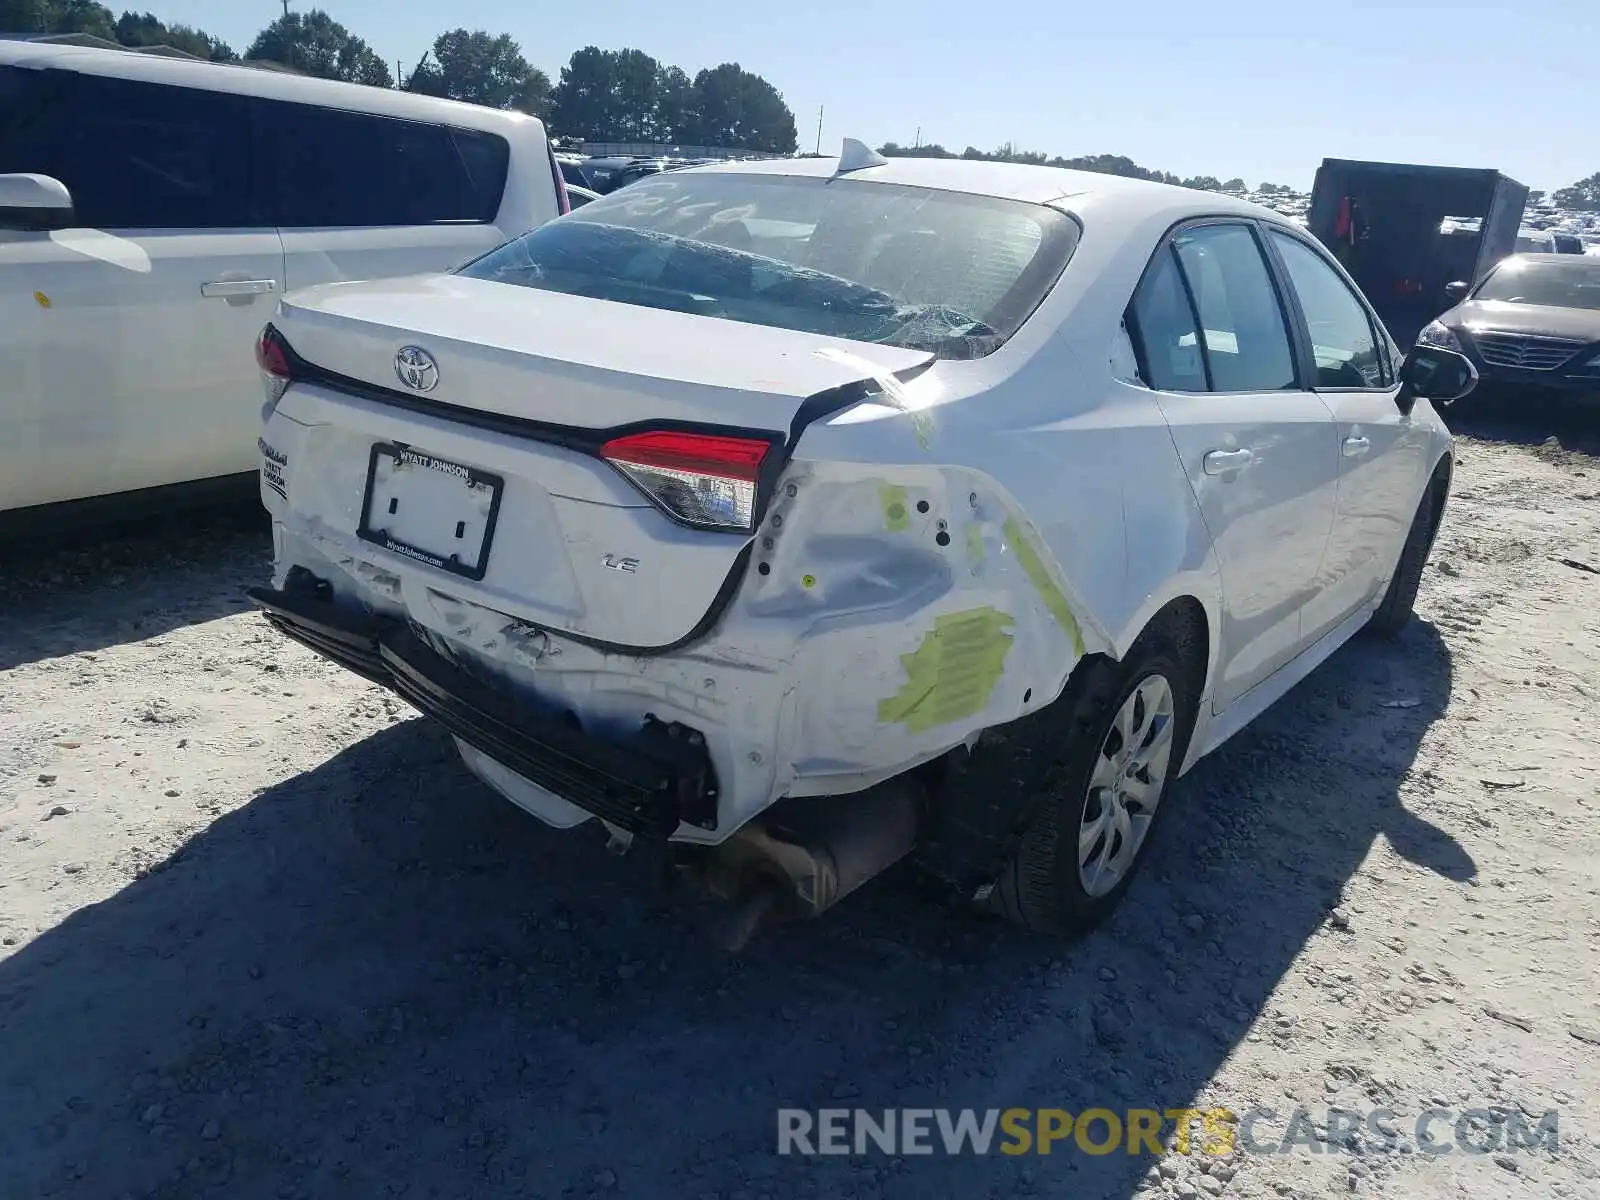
(1126, 785)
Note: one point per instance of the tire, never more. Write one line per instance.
(1042, 887)
(1394, 613)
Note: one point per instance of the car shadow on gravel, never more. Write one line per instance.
(377, 978)
(1565, 428)
(94, 588)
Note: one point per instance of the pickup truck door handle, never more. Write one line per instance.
(1355, 447)
(1220, 462)
(233, 288)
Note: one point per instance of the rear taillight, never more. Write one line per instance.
(563, 201)
(704, 480)
(277, 371)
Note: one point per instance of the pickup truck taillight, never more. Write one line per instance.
(563, 201)
(704, 480)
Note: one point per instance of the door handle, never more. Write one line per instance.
(231, 288)
(1355, 447)
(1220, 462)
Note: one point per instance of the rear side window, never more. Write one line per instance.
(133, 155)
(1242, 325)
(353, 170)
(19, 105)
(1163, 321)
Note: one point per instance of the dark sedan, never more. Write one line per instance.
(1532, 321)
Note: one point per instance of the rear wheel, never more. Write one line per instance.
(1125, 728)
(1399, 602)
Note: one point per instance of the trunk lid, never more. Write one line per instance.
(572, 361)
(565, 541)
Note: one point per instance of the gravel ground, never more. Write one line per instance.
(264, 937)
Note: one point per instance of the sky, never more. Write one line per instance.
(1231, 88)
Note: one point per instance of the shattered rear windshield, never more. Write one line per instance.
(901, 266)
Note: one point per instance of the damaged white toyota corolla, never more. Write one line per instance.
(803, 515)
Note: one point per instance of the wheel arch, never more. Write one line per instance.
(1185, 620)
(1195, 623)
(1193, 600)
(1443, 476)
(1437, 491)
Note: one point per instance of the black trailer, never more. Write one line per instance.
(1405, 231)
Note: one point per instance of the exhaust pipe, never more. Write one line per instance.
(802, 856)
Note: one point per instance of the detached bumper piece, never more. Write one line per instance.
(646, 785)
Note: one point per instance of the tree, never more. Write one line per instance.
(583, 102)
(313, 42)
(96, 20)
(1584, 195)
(635, 77)
(1273, 189)
(1114, 164)
(627, 96)
(481, 68)
(25, 16)
(1102, 164)
(144, 29)
(623, 96)
(739, 110)
(58, 16)
(931, 150)
(677, 117)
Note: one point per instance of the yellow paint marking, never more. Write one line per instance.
(975, 552)
(953, 672)
(896, 515)
(1033, 566)
(921, 427)
(41, 300)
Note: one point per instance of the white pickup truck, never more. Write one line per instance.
(153, 210)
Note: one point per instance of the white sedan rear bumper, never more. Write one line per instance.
(908, 589)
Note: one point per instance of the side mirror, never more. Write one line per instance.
(1458, 290)
(1435, 374)
(35, 204)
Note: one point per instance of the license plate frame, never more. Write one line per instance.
(471, 478)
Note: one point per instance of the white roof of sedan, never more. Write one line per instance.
(1013, 181)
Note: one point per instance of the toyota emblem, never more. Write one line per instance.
(416, 369)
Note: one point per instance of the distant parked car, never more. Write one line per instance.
(153, 209)
(1533, 321)
(572, 170)
(1567, 243)
(1535, 241)
(639, 170)
(606, 175)
(1065, 520)
(577, 196)
(602, 172)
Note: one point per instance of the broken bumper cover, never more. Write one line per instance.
(646, 786)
